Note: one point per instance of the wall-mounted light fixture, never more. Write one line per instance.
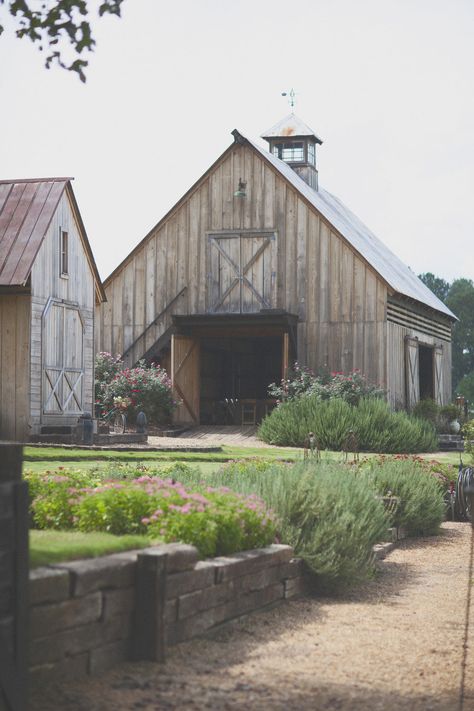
(241, 191)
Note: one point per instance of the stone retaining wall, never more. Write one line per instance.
(86, 616)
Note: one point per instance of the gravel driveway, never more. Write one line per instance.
(394, 643)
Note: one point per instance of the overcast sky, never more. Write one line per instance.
(388, 85)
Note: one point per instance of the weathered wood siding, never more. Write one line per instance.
(14, 366)
(75, 296)
(339, 299)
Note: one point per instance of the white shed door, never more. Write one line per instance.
(438, 375)
(242, 272)
(63, 359)
(412, 372)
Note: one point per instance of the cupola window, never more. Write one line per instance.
(311, 153)
(289, 152)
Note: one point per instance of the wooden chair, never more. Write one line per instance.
(249, 412)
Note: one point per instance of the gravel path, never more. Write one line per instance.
(395, 643)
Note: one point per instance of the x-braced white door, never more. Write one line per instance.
(63, 359)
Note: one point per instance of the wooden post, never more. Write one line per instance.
(14, 569)
(149, 629)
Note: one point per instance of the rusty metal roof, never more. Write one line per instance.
(394, 272)
(26, 210)
(290, 126)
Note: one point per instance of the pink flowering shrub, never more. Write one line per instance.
(144, 388)
(216, 521)
(54, 496)
(350, 387)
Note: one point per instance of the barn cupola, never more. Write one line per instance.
(294, 142)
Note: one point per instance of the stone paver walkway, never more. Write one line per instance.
(395, 643)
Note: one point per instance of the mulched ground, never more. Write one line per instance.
(395, 643)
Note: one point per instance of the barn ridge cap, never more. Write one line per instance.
(36, 180)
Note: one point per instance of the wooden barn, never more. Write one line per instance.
(257, 266)
(49, 286)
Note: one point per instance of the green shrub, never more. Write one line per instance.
(468, 434)
(427, 409)
(421, 509)
(376, 427)
(217, 523)
(54, 496)
(330, 516)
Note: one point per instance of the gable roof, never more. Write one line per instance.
(290, 126)
(26, 210)
(392, 270)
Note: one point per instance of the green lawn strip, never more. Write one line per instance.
(47, 547)
(53, 454)
(44, 466)
(43, 458)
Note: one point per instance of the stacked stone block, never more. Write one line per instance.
(89, 615)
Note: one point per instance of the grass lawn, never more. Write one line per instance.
(48, 547)
(41, 458)
(59, 454)
(43, 466)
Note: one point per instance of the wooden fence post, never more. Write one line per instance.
(149, 640)
(14, 569)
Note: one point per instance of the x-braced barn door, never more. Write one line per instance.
(63, 359)
(185, 377)
(242, 272)
(412, 372)
(438, 374)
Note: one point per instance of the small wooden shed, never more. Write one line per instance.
(257, 266)
(49, 286)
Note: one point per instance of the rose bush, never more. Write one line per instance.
(350, 387)
(144, 388)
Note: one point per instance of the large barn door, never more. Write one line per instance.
(185, 377)
(438, 374)
(242, 272)
(63, 359)
(412, 379)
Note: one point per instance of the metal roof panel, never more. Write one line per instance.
(290, 126)
(394, 272)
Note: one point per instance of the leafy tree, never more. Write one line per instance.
(439, 286)
(466, 387)
(461, 301)
(459, 297)
(59, 25)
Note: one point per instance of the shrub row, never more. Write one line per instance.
(375, 426)
(333, 513)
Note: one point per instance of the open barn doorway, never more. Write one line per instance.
(426, 372)
(222, 365)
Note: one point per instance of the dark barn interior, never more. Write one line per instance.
(235, 374)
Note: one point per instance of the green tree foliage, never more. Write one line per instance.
(459, 297)
(439, 286)
(60, 26)
(466, 387)
(461, 301)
